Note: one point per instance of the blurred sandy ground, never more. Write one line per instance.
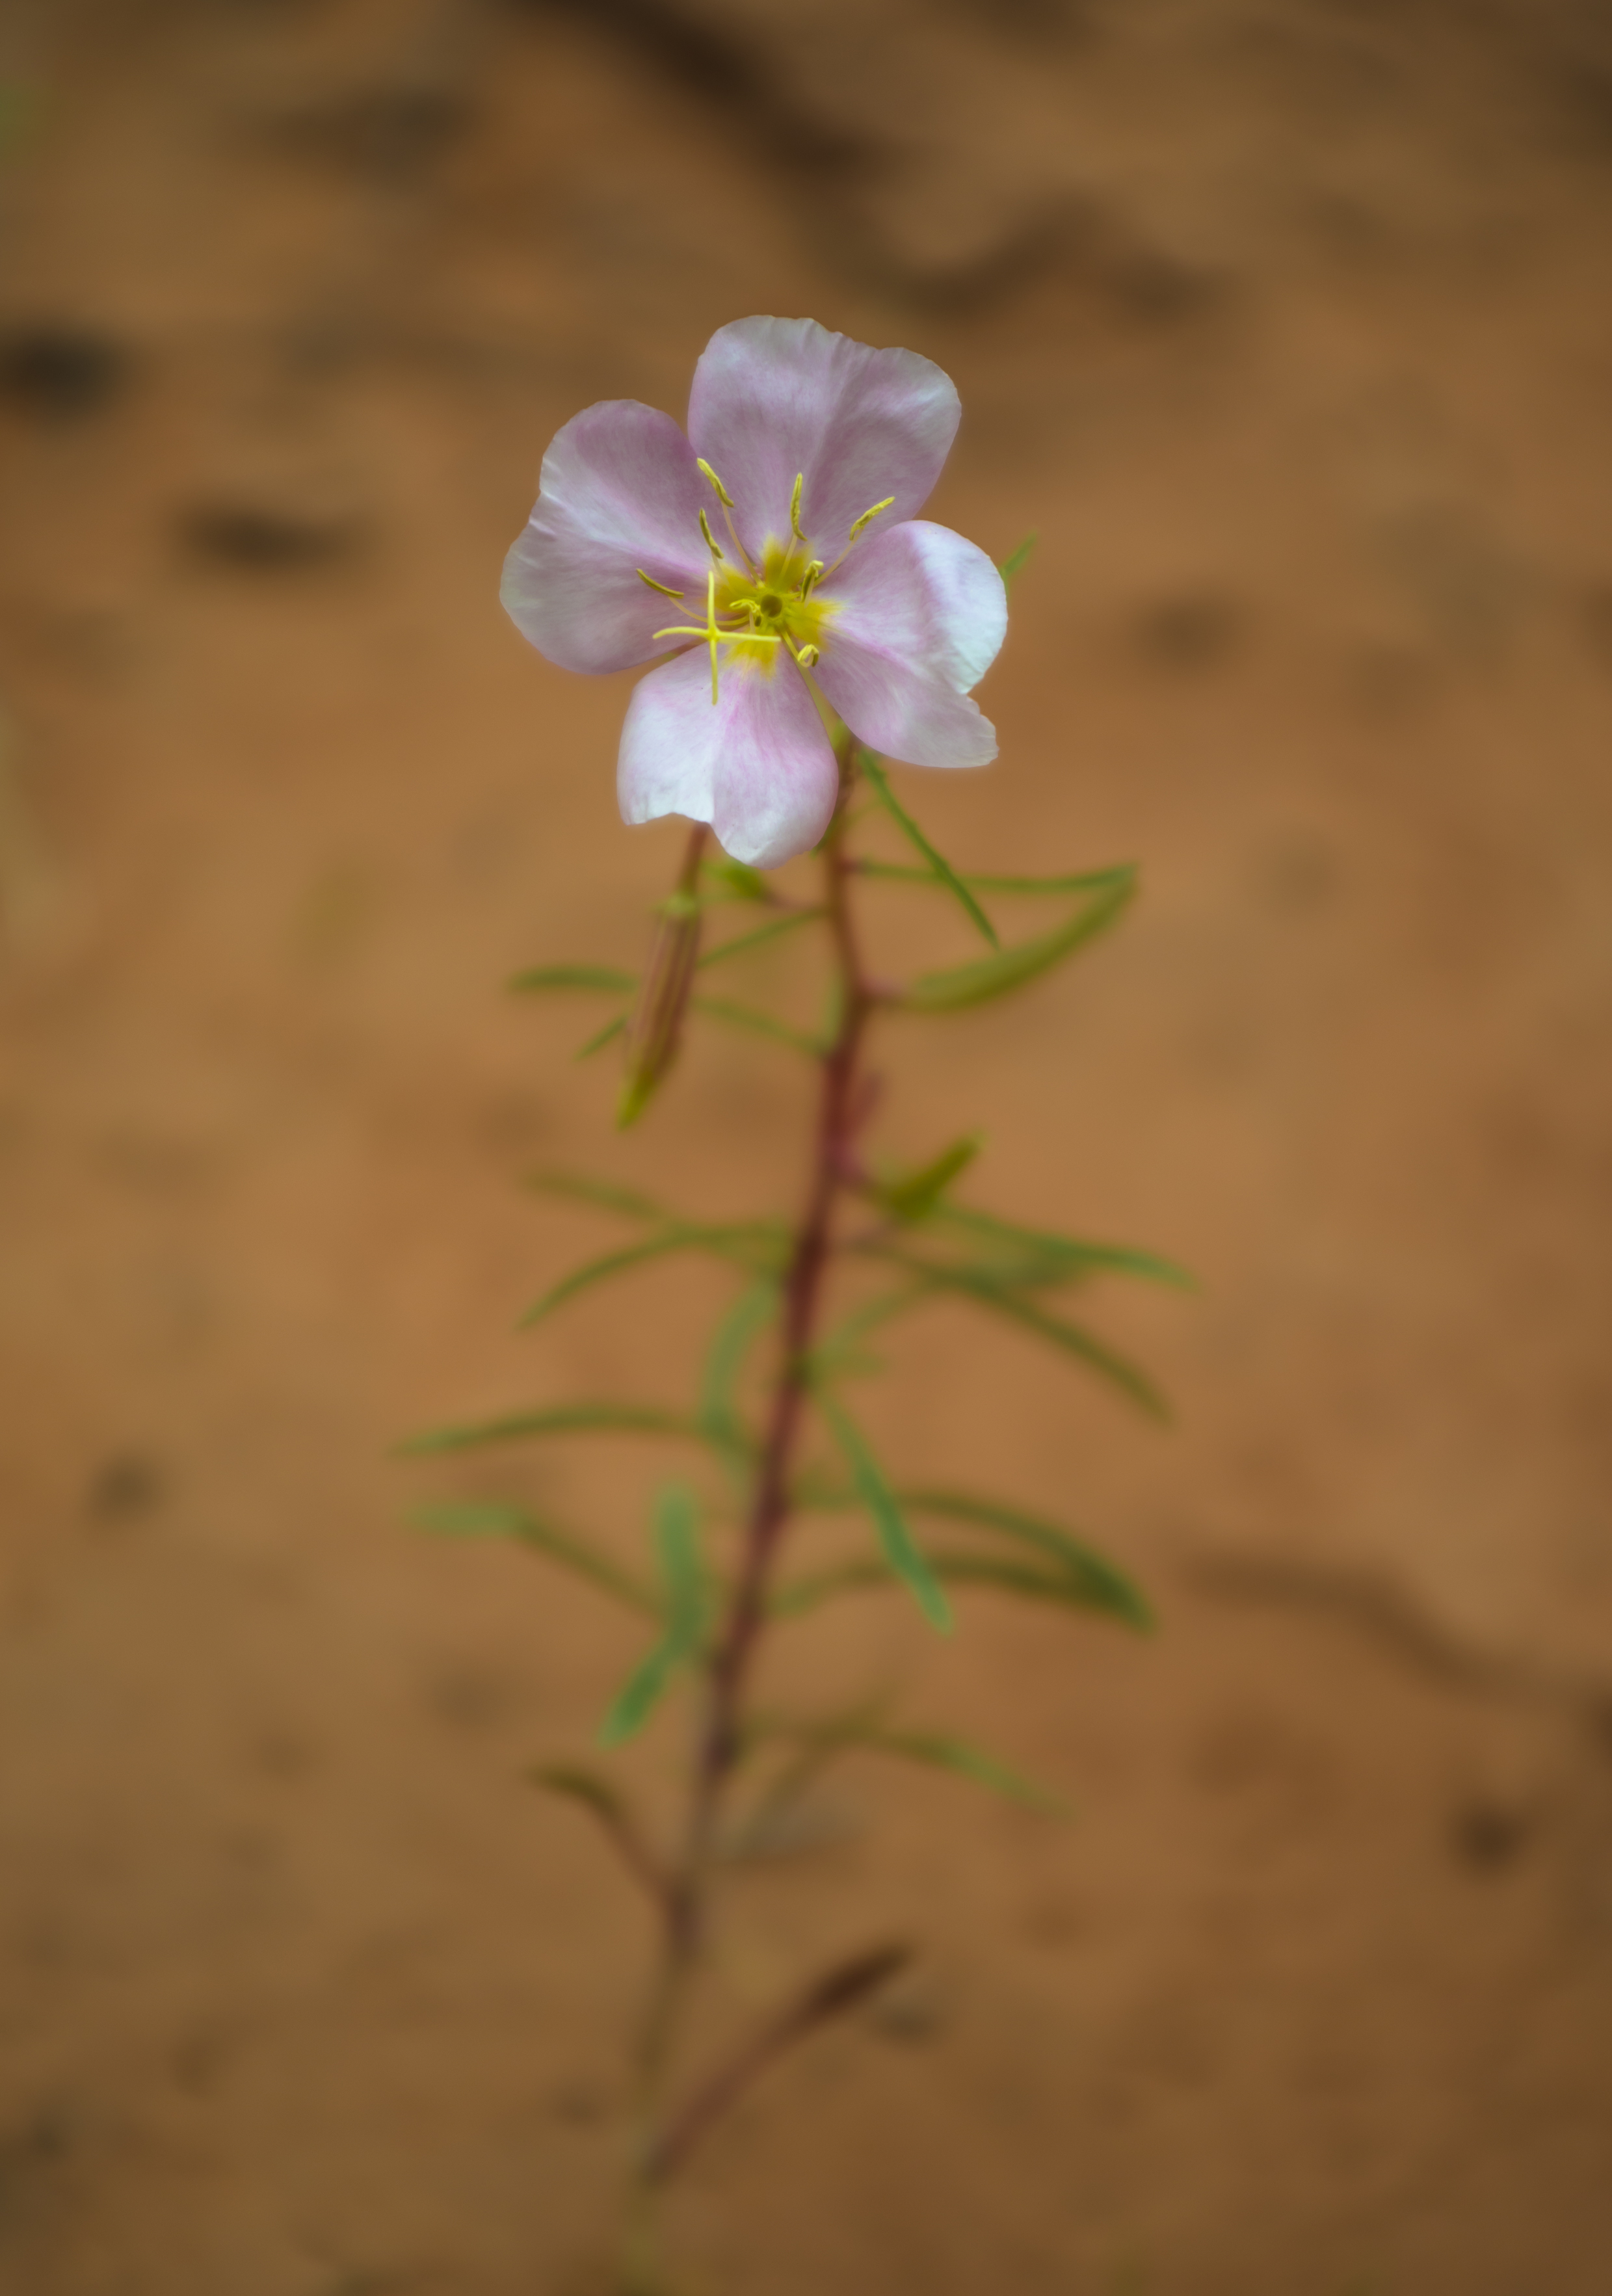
(1287, 325)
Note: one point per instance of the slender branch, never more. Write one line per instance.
(844, 1987)
(844, 1103)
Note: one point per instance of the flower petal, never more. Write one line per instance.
(619, 490)
(775, 398)
(756, 764)
(919, 616)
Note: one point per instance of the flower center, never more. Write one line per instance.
(759, 611)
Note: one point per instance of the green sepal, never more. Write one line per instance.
(739, 881)
(940, 868)
(901, 1550)
(677, 1545)
(476, 1519)
(960, 986)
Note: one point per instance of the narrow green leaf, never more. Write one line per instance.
(563, 1419)
(1088, 880)
(1074, 1339)
(915, 1193)
(582, 1188)
(986, 977)
(1016, 560)
(761, 1024)
(872, 1573)
(965, 1760)
(1100, 1584)
(605, 1036)
(677, 1541)
(744, 1241)
(735, 1336)
(862, 1728)
(773, 930)
(901, 1550)
(1080, 1258)
(470, 1518)
(940, 868)
(603, 979)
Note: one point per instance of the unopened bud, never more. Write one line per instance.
(654, 1029)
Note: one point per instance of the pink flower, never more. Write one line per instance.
(774, 552)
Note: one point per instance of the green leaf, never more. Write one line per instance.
(1088, 880)
(582, 1188)
(902, 1552)
(605, 1036)
(1096, 1581)
(872, 1573)
(773, 930)
(563, 1419)
(602, 978)
(965, 1760)
(863, 1728)
(677, 1540)
(916, 1193)
(940, 868)
(963, 985)
(735, 1336)
(1068, 1252)
(988, 1291)
(740, 1241)
(761, 1024)
(1016, 560)
(470, 1518)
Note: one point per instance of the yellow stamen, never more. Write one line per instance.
(814, 575)
(867, 515)
(809, 657)
(705, 528)
(661, 587)
(723, 496)
(795, 507)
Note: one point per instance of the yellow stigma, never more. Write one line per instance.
(705, 528)
(723, 496)
(867, 516)
(795, 526)
(661, 587)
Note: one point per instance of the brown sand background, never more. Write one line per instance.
(1287, 322)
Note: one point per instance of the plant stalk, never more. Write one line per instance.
(841, 1107)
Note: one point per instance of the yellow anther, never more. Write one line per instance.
(705, 528)
(814, 575)
(661, 587)
(809, 656)
(723, 496)
(867, 515)
(795, 507)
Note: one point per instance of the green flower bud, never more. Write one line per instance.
(654, 1029)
